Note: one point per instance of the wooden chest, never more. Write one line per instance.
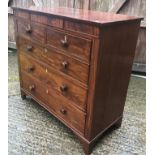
(76, 64)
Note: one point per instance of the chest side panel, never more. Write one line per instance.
(111, 76)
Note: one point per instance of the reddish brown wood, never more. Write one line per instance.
(53, 102)
(74, 92)
(112, 75)
(56, 59)
(51, 21)
(77, 47)
(38, 33)
(79, 70)
(23, 26)
(55, 22)
(73, 26)
(31, 30)
(99, 18)
(39, 18)
(22, 14)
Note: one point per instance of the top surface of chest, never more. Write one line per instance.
(97, 18)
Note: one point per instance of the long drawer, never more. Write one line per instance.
(53, 102)
(54, 58)
(66, 87)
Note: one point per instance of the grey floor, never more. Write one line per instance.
(33, 131)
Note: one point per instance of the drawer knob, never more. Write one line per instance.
(63, 88)
(31, 87)
(28, 29)
(65, 64)
(64, 42)
(31, 68)
(29, 48)
(63, 111)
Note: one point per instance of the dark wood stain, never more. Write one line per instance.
(77, 66)
(55, 58)
(77, 47)
(53, 102)
(55, 80)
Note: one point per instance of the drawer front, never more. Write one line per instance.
(38, 33)
(71, 45)
(66, 88)
(39, 18)
(47, 20)
(55, 59)
(63, 110)
(32, 31)
(22, 14)
(24, 28)
(79, 27)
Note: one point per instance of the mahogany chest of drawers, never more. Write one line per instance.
(76, 64)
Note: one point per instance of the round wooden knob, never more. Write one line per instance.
(31, 87)
(65, 64)
(64, 42)
(63, 88)
(63, 111)
(31, 68)
(28, 29)
(29, 48)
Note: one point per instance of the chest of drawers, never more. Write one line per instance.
(77, 65)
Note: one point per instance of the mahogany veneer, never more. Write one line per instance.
(77, 65)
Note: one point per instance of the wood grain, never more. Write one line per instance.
(47, 75)
(37, 31)
(130, 7)
(72, 26)
(54, 58)
(92, 101)
(54, 103)
(98, 18)
(77, 47)
(112, 75)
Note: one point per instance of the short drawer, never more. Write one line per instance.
(71, 45)
(22, 14)
(64, 86)
(47, 20)
(32, 31)
(57, 60)
(24, 28)
(79, 27)
(65, 111)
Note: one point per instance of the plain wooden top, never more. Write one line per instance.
(82, 15)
